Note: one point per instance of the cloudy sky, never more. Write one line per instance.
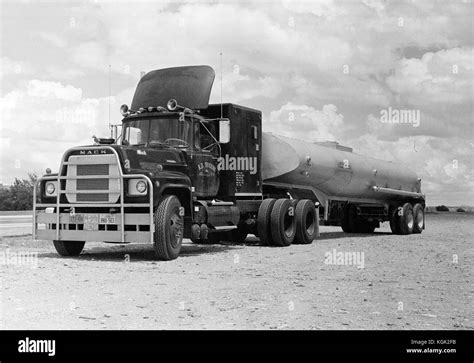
(319, 70)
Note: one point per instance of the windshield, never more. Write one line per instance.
(159, 131)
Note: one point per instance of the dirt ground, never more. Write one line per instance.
(405, 282)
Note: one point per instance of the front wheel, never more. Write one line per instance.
(169, 228)
(69, 248)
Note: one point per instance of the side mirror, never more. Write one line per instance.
(224, 131)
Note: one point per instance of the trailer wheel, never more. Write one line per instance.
(407, 220)
(349, 219)
(419, 215)
(263, 221)
(169, 228)
(395, 220)
(69, 248)
(283, 223)
(306, 223)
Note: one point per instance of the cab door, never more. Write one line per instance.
(203, 161)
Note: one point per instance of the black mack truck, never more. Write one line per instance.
(181, 168)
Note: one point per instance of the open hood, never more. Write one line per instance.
(189, 86)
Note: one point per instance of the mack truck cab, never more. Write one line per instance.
(181, 168)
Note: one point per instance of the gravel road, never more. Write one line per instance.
(398, 282)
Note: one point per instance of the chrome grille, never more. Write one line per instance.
(93, 179)
(97, 169)
(92, 197)
(91, 184)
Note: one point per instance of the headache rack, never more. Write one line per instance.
(91, 184)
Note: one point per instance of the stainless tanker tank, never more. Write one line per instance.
(334, 174)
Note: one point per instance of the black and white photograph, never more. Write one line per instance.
(270, 165)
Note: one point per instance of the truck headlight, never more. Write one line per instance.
(51, 189)
(137, 187)
(140, 186)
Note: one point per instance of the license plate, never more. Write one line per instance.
(107, 219)
(91, 226)
(77, 218)
(91, 222)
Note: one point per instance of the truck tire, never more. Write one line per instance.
(306, 223)
(263, 221)
(395, 221)
(407, 220)
(68, 248)
(349, 219)
(283, 224)
(169, 228)
(419, 215)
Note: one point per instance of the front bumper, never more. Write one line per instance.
(58, 220)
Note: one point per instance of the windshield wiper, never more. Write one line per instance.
(157, 143)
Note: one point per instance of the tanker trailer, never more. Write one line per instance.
(184, 168)
(355, 191)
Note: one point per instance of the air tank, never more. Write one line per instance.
(333, 173)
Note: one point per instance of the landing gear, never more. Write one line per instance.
(169, 228)
(349, 219)
(352, 223)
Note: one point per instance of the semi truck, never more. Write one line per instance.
(184, 168)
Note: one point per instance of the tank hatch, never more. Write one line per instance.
(334, 145)
(190, 86)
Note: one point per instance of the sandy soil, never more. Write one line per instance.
(407, 282)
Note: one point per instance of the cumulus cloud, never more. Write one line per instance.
(441, 77)
(305, 122)
(43, 119)
(9, 67)
(334, 66)
(52, 38)
(42, 89)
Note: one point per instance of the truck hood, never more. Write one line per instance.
(189, 86)
(149, 158)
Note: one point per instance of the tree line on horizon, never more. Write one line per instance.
(19, 195)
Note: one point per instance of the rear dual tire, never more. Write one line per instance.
(419, 216)
(407, 219)
(264, 231)
(306, 222)
(283, 222)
